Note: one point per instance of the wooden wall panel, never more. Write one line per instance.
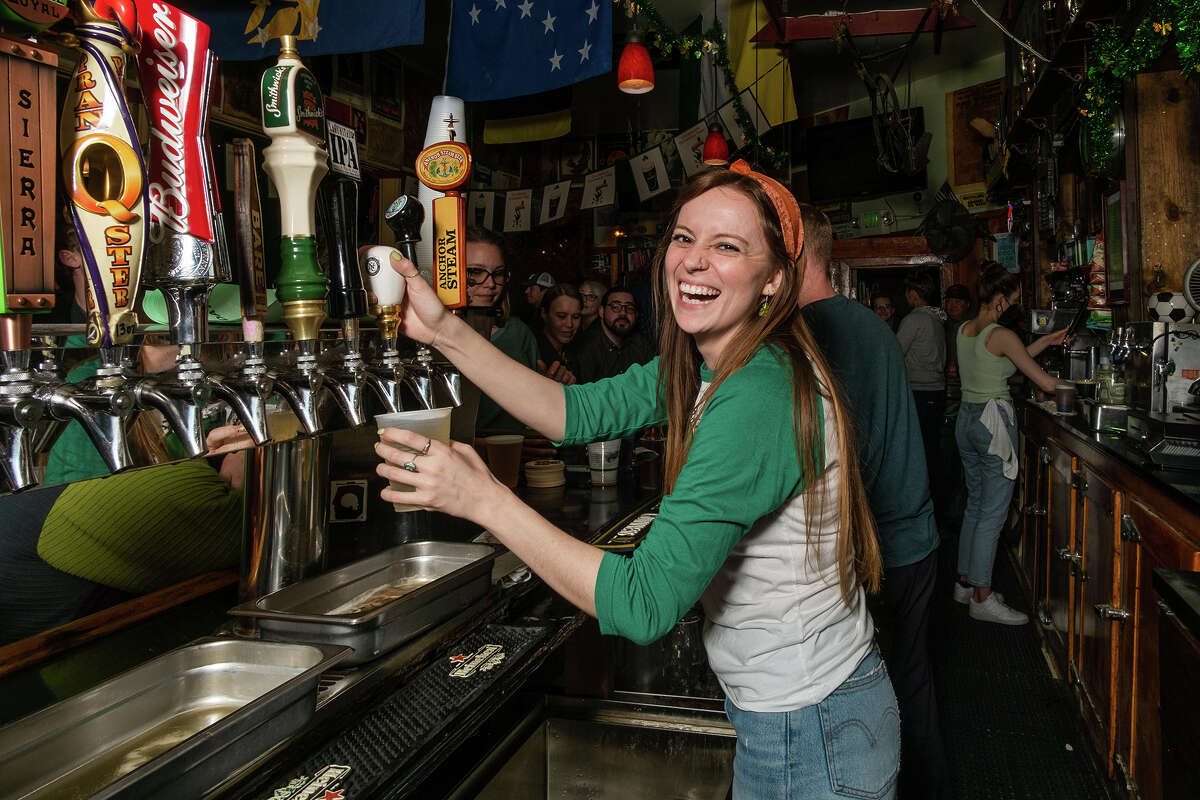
(1168, 160)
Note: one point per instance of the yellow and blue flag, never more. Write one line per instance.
(247, 30)
(506, 48)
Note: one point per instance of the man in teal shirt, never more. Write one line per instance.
(865, 355)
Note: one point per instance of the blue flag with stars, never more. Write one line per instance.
(509, 48)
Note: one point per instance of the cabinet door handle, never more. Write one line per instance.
(1079, 481)
(1129, 529)
(1044, 455)
(1104, 611)
(1065, 554)
(1034, 511)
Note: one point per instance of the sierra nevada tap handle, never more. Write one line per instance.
(103, 171)
(405, 216)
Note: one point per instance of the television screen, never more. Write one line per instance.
(843, 162)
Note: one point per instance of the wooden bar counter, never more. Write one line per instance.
(1096, 520)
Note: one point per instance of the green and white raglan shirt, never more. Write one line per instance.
(734, 534)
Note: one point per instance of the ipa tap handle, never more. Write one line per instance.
(347, 295)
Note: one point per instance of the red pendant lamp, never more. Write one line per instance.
(716, 148)
(635, 73)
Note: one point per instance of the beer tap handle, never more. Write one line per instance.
(247, 205)
(405, 216)
(103, 171)
(347, 295)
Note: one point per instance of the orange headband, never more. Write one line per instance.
(785, 206)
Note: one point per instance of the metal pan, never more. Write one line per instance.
(438, 579)
(176, 726)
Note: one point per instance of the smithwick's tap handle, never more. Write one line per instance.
(405, 216)
(247, 205)
(104, 175)
(293, 114)
(347, 295)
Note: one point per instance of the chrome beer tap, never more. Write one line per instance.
(180, 395)
(102, 404)
(248, 387)
(434, 385)
(20, 409)
(293, 116)
(105, 179)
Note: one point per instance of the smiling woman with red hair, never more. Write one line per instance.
(765, 520)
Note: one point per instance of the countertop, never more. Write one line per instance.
(1181, 592)
(1183, 486)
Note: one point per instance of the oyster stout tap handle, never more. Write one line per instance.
(103, 170)
(184, 258)
(293, 116)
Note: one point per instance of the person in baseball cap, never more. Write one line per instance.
(536, 286)
(957, 302)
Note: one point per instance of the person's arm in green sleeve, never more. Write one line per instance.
(742, 466)
(614, 407)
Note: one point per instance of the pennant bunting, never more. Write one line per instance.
(554, 202)
(599, 188)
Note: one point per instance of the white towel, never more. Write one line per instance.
(1001, 444)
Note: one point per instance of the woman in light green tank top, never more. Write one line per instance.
(986, 433)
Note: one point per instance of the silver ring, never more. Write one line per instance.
(410, 466)
(425, 449)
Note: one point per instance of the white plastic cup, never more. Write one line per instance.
(433, 423)
(384, 282)
(603, 459)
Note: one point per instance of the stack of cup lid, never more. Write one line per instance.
(543, 473)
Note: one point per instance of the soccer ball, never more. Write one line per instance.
(1170, 307)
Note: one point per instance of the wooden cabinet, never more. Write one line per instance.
(1088, 561)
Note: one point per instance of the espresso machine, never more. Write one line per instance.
(1163, 368)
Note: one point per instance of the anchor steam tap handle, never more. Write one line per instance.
(347, 295)
(405, 216)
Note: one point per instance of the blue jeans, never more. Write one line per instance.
(988, 493)
(848, 745)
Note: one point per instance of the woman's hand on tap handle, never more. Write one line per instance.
(422, 314)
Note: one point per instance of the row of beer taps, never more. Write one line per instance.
(170, 235)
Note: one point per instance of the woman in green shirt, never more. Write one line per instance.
(765, 520)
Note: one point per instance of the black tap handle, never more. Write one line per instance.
(347, 294)
(404, 216)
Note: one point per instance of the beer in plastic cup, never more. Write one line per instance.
(433, 424)
(504, 457)
(603, 459)
(1064, 397)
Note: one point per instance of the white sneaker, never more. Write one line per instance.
(962, 594)
(993, 610)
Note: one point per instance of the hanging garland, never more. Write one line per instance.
(1114, 59)
(711, 42)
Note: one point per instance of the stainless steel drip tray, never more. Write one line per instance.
(376, 604)
(175, 726)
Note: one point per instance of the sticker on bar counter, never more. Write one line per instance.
(321, 786)
(482, 660)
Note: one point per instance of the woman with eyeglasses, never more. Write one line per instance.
(765, 520)
(487, 282)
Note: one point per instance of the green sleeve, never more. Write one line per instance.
(614, 407)
(742, 465)
(142, 530)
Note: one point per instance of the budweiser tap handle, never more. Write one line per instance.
(347, 296)
(247, 207)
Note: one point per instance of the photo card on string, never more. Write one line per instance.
(518, 208)
(650, 173)
(481, 210)
(690, 145)
(728, 115)
(554, 201)
(599, 188)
